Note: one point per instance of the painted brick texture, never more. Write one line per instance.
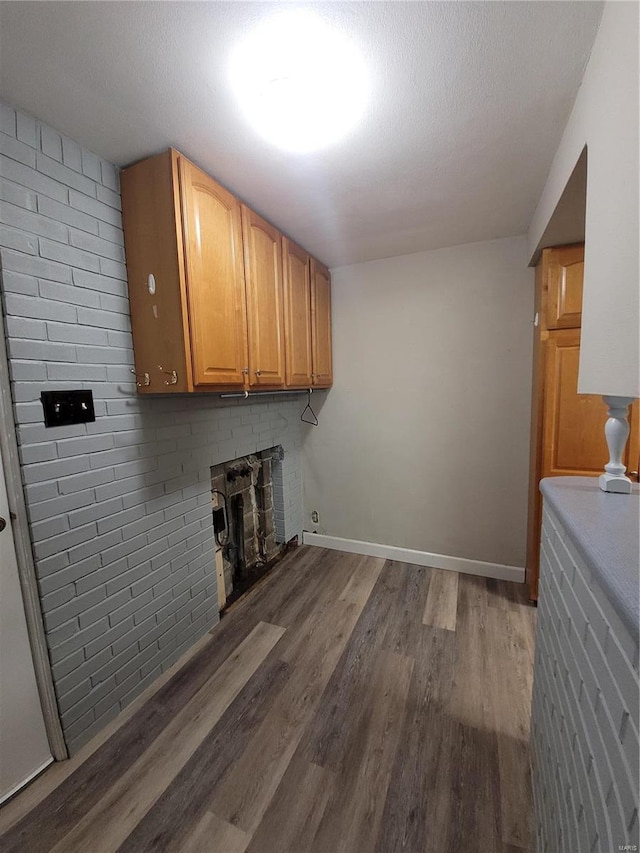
(120, 509)
(585, 709)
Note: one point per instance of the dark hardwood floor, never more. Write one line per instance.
(346, 704)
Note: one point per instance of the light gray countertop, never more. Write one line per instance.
(605, 529)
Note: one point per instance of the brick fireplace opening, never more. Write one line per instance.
(242, 500)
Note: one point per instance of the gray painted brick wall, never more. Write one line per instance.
(584, 732)
(120, 509)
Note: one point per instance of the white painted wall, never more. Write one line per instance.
(605, 118)
(423, 441)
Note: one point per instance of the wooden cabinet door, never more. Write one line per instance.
(159, 316)
(321, 324)
(263, 274)
(297, 315)
(633, 457)
(565, 270)
(573, 442)
(215, 279)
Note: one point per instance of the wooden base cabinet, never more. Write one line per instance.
(220, 300)
(567, 428)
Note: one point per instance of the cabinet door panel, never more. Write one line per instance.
(159, 317)
(633, 457)
(574, 441)
(321, 324)
(565, 271)
(263, 271)
(215, 279)
(297, 303)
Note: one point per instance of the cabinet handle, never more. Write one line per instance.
(245, 371)
(258, 373)
(633, 474)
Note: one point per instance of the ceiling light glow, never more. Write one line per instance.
(300, 83)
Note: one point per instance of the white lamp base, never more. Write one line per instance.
(616, 431)
(612, 483)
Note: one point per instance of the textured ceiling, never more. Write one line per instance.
(468, 105)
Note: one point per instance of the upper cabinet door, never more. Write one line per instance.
(215, 279)
(265, 313)
(565, 273)
(321, 324)
(153, 241)
(297, 306)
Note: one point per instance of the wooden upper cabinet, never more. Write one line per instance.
(297, 306)
(321, 325)
(215, 279)
(565, 272)
(220, 300)
(265, 312)
(159, 314)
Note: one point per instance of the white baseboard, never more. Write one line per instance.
(417, 558)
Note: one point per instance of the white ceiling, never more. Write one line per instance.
(468, 105)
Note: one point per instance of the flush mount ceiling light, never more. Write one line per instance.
(300, 83)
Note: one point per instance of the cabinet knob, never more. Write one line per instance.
(633, 475)
(245, 371)
(258, 373)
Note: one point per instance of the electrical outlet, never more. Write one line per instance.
(315, 516)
